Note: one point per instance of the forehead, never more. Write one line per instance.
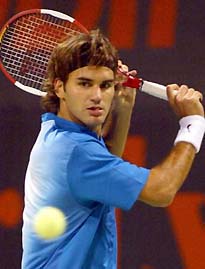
(93, 73)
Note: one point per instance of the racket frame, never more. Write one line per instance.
(14, 18)
(150, 88)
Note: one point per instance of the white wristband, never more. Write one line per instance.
(191, 130)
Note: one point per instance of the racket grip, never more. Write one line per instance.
(154, 89)
(150, 88)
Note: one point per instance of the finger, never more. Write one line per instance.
(132, 73)
(173, 87)
(189, 93)
(124, 68)
(182, 91)
(172, 90)
(119, 63)
(198, 95)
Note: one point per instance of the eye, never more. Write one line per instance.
(106, 85)
(85, 84)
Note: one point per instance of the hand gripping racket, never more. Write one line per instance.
(27, 41)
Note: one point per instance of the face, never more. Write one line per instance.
(87, 95)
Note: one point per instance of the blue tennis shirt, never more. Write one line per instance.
(70, 168)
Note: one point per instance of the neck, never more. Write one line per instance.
(97, 129)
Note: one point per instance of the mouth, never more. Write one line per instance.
(95, 111)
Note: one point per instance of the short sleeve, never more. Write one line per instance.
(94, 174)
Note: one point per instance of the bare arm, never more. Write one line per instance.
(166, 178)
(116, 127)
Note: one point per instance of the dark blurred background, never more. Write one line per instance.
(164, 40)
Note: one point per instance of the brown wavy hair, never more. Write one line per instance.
(81, 50)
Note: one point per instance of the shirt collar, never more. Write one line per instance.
(68, 125)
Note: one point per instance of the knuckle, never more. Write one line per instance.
(173, 86)
(184, 86)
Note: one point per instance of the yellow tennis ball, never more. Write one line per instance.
(49, 223)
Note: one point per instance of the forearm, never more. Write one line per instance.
(119, 124)
(116, 127)
(166, 178)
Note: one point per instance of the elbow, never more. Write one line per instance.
(159, 190)
(165, 196)
(164, 200)
(159, 198)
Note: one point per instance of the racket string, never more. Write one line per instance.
(28, 44)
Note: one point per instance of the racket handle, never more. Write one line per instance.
(154, 89)
(150, 88)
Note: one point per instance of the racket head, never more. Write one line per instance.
(27, 41)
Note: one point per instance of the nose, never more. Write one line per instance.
(96, 94)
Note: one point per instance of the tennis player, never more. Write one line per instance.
(72, 167)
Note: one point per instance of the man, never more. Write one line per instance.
(71, 168)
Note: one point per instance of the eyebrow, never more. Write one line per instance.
(90, 80)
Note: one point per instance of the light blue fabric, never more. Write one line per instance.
(71, 168)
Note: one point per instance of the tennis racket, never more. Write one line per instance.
(27, 41)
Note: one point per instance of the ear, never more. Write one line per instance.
(59, 88)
